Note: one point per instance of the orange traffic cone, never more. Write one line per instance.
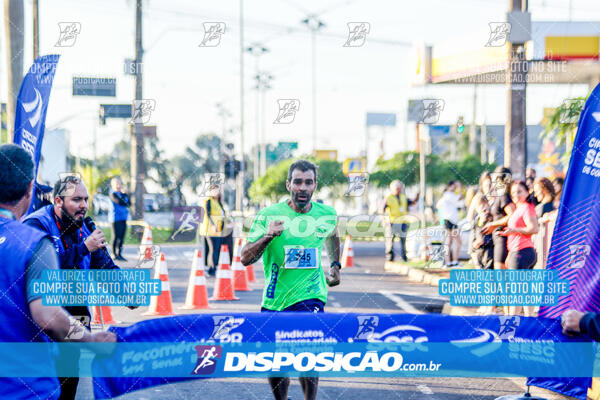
(197, 296)
(240, 277)
(224, 284)
(107, 317)
(146, 244)
(249, 268)
(161, 304)
(348, 253)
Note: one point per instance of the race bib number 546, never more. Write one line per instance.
(300, 257)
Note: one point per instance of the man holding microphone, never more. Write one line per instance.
(289, 236)
(77, 246)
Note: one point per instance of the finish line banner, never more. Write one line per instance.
(575, 249)
(174, 349)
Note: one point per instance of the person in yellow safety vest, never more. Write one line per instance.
(213, 228)
(394, 219)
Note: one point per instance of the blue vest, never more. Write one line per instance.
(18, 243)
(45, 216)
(120, 212)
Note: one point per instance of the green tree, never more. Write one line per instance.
(405, 167)
(562, 126)
(271, 186)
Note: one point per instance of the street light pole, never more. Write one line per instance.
(314, 24)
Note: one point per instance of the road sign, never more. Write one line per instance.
(327, 155)
(114, 111)
(354, 166)
(381, 119)
(86, 86)
(149, 131)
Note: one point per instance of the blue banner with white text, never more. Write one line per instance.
(32, 105)
(575, 249)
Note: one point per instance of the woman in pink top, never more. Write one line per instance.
(522, 224)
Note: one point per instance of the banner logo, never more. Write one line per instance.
(508, 326)
(223, 324)
(366, 326)
(207, 359)
(36, 105)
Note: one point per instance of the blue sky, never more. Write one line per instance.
(187, 81)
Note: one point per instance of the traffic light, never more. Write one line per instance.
(460, 124)
(232, 168)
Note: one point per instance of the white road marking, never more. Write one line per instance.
(400, 302)
(424, 389)
(336, 304)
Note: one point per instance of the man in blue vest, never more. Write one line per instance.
(25, 252)
(120, 201)
(76, 246)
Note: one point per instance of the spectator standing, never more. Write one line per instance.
(213, 227)
(501, 208)
(394, 220)
(448, 206)
(544, 192)
(558, 183)
(522, 225)
(121, 202)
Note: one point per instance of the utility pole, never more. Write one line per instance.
(484, 157)
(239, 193)
(515, 132)
(314, 24)
(473, 130)
(36, 29)
(224, 114)
(422, 175)
(13, 23)
(137, 139)
(263, 81)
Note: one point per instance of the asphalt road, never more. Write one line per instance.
(364, 288)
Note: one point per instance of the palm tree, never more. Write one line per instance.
(561, 125)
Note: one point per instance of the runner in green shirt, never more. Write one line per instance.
(289, 236)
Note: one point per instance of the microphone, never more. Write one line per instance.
(91, 225)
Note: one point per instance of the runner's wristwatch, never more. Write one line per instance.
(337, 264)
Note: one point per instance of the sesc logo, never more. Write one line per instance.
(401, 334)
(223, 324)
(207, 359)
